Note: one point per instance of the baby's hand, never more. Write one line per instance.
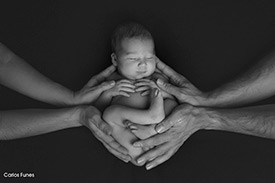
(122, 87)
(145, 86)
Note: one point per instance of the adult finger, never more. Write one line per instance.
(165, 69)
(169, 88)
(108, 139)
(153, 141)
(103, 87)
(152, 154)
(115, 149)
(95, 80)
(101, 126)
(167, 123)
(160, 159)
(118, 154)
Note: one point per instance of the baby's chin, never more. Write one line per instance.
(140, 76)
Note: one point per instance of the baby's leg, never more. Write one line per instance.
(115, 115)
(124, 136)
(145, 131)
(153, 115)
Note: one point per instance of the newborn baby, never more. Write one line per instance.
(135, 97)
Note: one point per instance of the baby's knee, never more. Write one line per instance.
(112, 114)
(109, 112)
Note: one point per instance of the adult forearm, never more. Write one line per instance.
(258, 121)
(18, 75)
(256, 84)
(30, 122)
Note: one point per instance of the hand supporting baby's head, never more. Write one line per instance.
(133, 51)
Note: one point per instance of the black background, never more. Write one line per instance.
(209, 42)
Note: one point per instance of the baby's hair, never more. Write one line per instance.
(126, 31)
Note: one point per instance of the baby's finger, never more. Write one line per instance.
(127, 123)
(129, 85)
(125, 81)
(142, 88)
(142, 83)
(145, 93)
(132, 127)
(125, 89)
(123, 94)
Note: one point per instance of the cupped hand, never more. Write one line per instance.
(95, 86)
(173, 132)
(91, 118)
(179, 86)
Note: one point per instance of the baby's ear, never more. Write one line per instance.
(114, 59)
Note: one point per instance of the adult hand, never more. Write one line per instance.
(91, 118)
(95, 86)
(179, 86)
(174, 131)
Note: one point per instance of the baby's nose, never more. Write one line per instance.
(142, 62)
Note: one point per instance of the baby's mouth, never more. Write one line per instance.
(142, 71)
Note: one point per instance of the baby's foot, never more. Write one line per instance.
(142, 131)
(156, 109)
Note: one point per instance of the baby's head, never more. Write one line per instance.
(133, 51)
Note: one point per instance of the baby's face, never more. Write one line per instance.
(137, 58)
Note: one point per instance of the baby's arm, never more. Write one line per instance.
(122, 87)
(154, 114)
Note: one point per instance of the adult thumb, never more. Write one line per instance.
(164, 125)
(105, 86)
(169, 88)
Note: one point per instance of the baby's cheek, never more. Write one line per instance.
(152, 68)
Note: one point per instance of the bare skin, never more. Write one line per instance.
(133, 106)
(18, 75)
(187, 119)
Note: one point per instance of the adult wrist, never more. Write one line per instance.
(206, 99)
(209, 118)
(202, 99)
(76, 115)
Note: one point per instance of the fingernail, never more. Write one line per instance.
(157, 92)
(160, 82)
(160, 129)
(137, 144)
(112, 83)
(141, 160)
(133, 127)
(149, 166)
